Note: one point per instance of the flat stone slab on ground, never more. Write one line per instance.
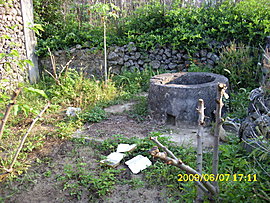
(186, 134)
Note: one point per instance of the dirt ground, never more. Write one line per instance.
(40, 183)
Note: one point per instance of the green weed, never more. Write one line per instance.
(140, 109)
(96, 114)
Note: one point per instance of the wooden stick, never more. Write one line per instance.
(25, 136)
(154, 139)
(219, 104)
(204, 185)
(199, 145)
(12, 102)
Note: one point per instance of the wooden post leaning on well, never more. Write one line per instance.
(25, 136)
(12, 102)
(221, 88)
(199, 146)
(206, 186)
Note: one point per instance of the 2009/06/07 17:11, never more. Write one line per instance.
(218, 177)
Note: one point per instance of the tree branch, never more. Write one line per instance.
(25, 136)
(221, 88)
(12, 102)
(204, 185)
(199, 145)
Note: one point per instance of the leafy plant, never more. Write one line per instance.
(134, 81)
(140, 109)
(239, 64)
(96, 114)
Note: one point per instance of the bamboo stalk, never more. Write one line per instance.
(12, 102)
(199, 146)
(25, 136)
(219, 104)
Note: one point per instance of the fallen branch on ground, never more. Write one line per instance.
(24, 138)
(204, 185)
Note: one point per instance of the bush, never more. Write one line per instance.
(239, 64)
(192, 28)
(188, 28)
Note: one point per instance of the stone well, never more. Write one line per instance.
(173, 97)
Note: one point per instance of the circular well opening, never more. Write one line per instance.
(189, 79)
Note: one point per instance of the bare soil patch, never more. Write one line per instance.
(43, 183)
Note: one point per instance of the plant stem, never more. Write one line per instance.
(199, 146)
(12, 102)
(220, 92)
(25, 136)
(105, 52)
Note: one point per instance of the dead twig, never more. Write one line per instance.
(54, 75)
(12, 102)
(219, 104)
(24, 138)
(204, 185)
(199, 146)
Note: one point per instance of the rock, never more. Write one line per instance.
(127, 64)
(155, 64)
(113, 56)
(174, 52)
(152, 56)
(168, 52)
(203, 53)
(131, 47)
(113, 62)
(121, 61)
(159, 57)
(78, 46)
(203, 59)
(72, 50)
(186, 57)
(136, 65)
(209, 55)
(131, 62)
(72, 111)
(140, 62)
(172, 66)
(155, 51)
(167, 61)
(137, 55)
(126, 58)
(214, 58)
(161, 51)
(210, 62)
(179, 56)
(164, 57)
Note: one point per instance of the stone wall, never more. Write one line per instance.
(87, 60)
(15, 18)
(165, 58)
(130, 57)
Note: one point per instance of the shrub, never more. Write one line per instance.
(239, 63)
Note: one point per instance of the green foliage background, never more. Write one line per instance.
(189, 28)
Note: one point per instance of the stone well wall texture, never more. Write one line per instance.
(16, 17)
